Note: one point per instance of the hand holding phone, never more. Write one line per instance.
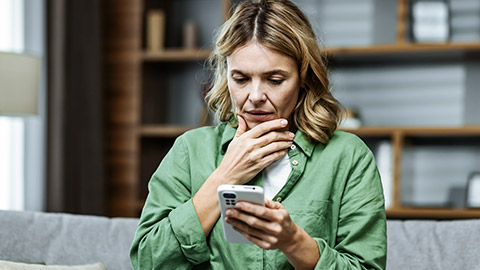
(228, 196)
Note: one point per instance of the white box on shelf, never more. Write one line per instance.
(430, 21)
(473, 190)
(384, 158)
(465, 20)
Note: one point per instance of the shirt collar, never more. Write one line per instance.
(301, 140)
(227, 136)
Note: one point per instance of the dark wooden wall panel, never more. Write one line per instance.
(122, 22)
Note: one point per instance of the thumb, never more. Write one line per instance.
(242, 126)
(272, 205)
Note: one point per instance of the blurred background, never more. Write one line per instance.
(119, 80)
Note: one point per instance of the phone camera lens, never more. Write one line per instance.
(229, 195)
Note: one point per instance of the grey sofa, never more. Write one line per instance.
(65, 239)
(75, 239)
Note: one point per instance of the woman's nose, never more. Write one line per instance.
(257, 93)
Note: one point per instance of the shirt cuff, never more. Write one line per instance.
(189, 233)
(327, 255)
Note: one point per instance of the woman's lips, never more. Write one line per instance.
(259, 116)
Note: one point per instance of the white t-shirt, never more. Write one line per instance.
(275, 176)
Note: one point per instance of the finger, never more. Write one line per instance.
(270, 158)
(258, 162)
(275, 136)
(273, 147)
(271, 219)
(242, 126)
(258, 237)
(259, 242)
(273, 205)
(257, 216)
(253, 221)
(253, 226)
(268, 126)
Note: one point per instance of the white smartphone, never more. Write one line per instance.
(228, 196)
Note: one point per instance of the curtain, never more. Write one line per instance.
(75, 170)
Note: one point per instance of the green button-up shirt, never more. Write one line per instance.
(334, 193)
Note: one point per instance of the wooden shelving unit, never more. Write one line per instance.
(162, 131)
(175, 55)
(399, 136)
(133, 139)
(403, 48)
(417, 131)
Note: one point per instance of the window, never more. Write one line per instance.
(11, 163)
(11, 128)
(22, 147)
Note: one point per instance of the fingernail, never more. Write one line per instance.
(284, 122)
(228, 213)
(291, 135)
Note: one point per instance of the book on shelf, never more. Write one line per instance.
(190, 35)
(465, 20)
(155, 30)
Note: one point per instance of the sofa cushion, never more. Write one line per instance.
(64, 239)
(433, 245)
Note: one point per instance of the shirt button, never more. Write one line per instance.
(279, 199)
(294, 163)
(293, 147)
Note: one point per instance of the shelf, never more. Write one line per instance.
(174, 55)
(403, 48)
(432, 213)
(163, 131)
(202, 54)
(170, 55)
(416, 131)
(174, 131)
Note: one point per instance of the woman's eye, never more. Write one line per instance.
(239, 80)
(275, 81)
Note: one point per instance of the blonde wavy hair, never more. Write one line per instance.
(278, 25)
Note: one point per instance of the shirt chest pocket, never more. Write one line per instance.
(313, 216)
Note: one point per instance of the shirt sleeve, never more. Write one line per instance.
(169, 234)
(361, 241)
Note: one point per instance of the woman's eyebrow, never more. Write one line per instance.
(277, 71)
(268, 73)
(236, 71)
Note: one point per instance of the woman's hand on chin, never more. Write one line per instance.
(252, 150)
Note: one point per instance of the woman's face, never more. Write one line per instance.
(263, 84)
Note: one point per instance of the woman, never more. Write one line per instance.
(324, 206)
